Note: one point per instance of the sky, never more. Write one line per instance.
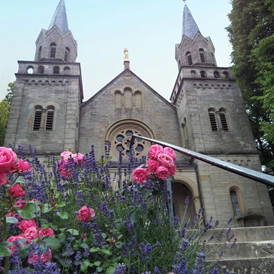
(103, 28)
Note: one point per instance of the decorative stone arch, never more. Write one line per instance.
(119, 136)
(182, 187)
(128, 97)
(138, 99)
(117, 99)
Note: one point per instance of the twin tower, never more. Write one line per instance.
(205, 113)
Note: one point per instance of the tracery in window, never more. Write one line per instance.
(120, 134)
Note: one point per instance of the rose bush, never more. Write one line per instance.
(63, 216)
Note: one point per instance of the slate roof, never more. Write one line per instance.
(190, 27)
(60, 18)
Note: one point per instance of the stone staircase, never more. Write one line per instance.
(252, 254)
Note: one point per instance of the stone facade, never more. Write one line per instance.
(206, 114)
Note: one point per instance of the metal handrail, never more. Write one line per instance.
(242, 171)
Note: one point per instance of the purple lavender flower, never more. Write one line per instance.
(120, 269)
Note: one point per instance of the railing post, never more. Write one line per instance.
(169, 199)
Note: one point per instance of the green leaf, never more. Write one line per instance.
(94, 249)
(20, 179)
(4, 251)
(106, 251)
(110, 269)
(65, 263)
(104, 235)
(11, 220)
(30, 211)
(85, 264)
(63, 215)
(61, 204)
(98, 263)
(99, 269)
(84, 245)
(61, 237)
(45, 208)
(52, 242)
(24, 251)
(73, 232)
(54, 227)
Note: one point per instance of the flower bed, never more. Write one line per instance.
(62, 216)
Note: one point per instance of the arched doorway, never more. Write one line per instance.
(179, 194)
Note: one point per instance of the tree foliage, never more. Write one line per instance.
(4, 115)
(4, 111)
(251, 34)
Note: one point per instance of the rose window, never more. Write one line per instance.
(122, 143)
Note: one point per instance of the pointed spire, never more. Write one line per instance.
(60, 18)
(190, 27)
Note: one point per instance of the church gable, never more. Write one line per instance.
(127, 98)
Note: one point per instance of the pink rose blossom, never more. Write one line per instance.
(172, 170)
(44, 257)
(139, 175)
(46, 232)
(165, 160)
(3, 179)
(162, 173)
(7, 159)
(12, 239)
(169, 151)
(20, 203)
(30, 234)
(23, 165)
(78, 157)
(152, 165)
(85, 214)
(66, 155)
(16, 191)
(25, 224)
(154, 151)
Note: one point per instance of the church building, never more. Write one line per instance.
(206, 114)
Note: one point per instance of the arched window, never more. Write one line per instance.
(39, 53)
(203, 74)
(212, 119)
(225, 74)
(66, 70)
(120, 134)
(67, 54)
(128, 97)
(224, 125)
(118, 99)
(56, 70)
(37, 118)
(193, 73)
(216, 74)
(202, 55)
(41, 69)
(52, 50)
(138, 99)
(189, 58)
(49, 118)
(235, 202)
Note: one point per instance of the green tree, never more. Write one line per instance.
(10, 93)
(4, 115)
(251, 34)
(4, 111)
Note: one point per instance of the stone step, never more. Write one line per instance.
(248, 234)
(260, 249)
(247, 266)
